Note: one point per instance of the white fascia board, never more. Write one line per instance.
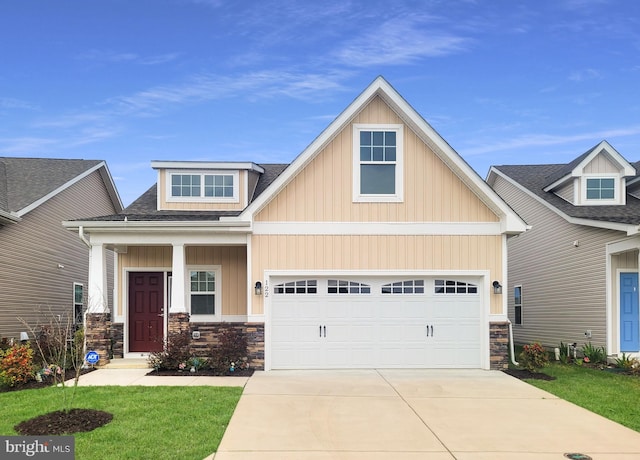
(377, 228)
(167, 238)
(629, 229)
(8, 217)
(63, 187)
(624, 165)
(186, 226)
(200, 165)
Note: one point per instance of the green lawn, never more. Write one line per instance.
(611, 395)
(149, 422)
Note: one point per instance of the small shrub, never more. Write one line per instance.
(564, 353)
(533, 357)
(231, 352)
(176, 352)
(16, 365)
(627, 363)
(594, 355)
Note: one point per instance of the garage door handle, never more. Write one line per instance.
(431, 331)
(427, 331)
(324, 328)
(320, 330)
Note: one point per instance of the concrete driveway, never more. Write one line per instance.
(413, 414)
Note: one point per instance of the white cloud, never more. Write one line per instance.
(400, 40)
(586, 74)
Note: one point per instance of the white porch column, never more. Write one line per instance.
(178, 304)
(97, 293)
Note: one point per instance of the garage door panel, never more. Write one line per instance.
(413, 330)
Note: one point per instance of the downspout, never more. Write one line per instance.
(511, 349)
(82, 236)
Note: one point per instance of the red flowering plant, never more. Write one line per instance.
(16, 365)
(533, 357)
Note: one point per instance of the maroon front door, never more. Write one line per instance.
(146, 317)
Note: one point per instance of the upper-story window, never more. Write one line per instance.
(221, 186)
(377, 163)
(601, 188)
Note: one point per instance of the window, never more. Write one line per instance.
(297, 287)
(602, 188)
(203, 186)
(454, 287)
(404, 287)
(347, 287)
(78, 305)
(517, 303)
(203, 292)
(377, 152)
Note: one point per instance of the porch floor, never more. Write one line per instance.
(136, 363)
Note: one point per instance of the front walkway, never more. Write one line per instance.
(413, 414)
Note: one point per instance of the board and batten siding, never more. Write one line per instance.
(376, 252)
(323, 191)
(201, 205)
(232, 259)
(32, 287)
(563, 283)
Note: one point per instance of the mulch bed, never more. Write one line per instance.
(202, 373)
(46, 382)
(61, 422)
(525, 374)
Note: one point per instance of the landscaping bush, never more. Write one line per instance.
(175, 354)
(533, 357)
(594, 355)
(16, 365)
(231, 352)
(627, 363)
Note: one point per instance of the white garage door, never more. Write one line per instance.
(326, 323)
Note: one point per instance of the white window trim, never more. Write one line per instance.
(398, 197)
(599, 202)
(74, 319)
(206, 199)
(521, 304)
(217, 269)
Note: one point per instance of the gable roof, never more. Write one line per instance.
(511, 222)
(574, 168)
(26, 183)
(534, 179)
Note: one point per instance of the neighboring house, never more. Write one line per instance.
(43, 267)
(378, 246)
(573, 277)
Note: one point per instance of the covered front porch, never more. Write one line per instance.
(164, 284)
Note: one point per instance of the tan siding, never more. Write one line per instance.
(375, 252)
(30, 251)
(323, 190)
(201, 206)
(563, 286)
(600, 165)
(566, 192)
(232, 259)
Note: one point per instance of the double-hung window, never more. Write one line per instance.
(204, 293)
(78, 305)
(209, 186)
(377, 163)
(517, 304)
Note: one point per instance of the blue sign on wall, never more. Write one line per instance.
(92, 357)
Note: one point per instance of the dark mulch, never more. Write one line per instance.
(46, 382)
(203, 372)
(64, 422)
(526, 374)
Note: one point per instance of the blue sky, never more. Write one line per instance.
(131, 81)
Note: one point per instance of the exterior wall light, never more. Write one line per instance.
(497, 287)
(258, 288)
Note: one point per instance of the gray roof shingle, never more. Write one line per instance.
(536, 177)
(25, 180)
(145, 207)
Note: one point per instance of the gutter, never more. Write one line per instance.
(82, 236)
(511, 349)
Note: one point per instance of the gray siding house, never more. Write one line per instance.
(43, 266)
(573, 276)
